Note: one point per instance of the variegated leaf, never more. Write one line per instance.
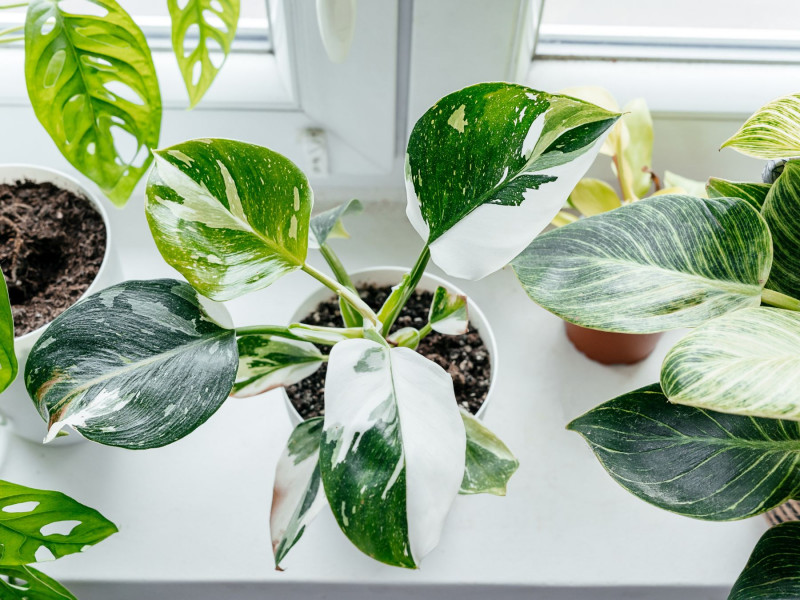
(230, 217)
(329, 224)
(448, 313)
(656, 264)
(268, 361)
(688, 187)
(753, 193)
(593, 196)
(8, 358)
(746, 362)
(297, 496)
(406, 336)
(694, 462)
(328, 336)
(26, 583)
(773, 131)
(139, 365)
(781, 211)
(40, 525)
(393, 449)
(489, 463)
(773, 570)
(489, 166)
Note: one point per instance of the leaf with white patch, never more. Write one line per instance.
(656, 264)
(26, 583)
(489, 463)
(773, 131)
(489, 166)
(328, 225)
(267, 362)
(39, 525)
(8, 358)
(405, 336)
(297, 496)
(138, 365)
(746, 362)
(448, 313)
(753, 193)
(328, 336)
(688, 187)
(773, 570)
(393, 449)
(781, 211)
(230, 217)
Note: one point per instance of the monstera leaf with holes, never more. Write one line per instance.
(26, 583)
(478, 203)
(93, 86)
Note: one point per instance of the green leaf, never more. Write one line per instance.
(694, 462)
(448, 313)
(489, 462)
(745, 362)
(139, 365)
(656, 264)
(30, 584)
(773, 131)
(489, 166)
(637, 153)
(297, 496)
(215, 22)
(8, 358)
(407, 337)
(593, 196)
(753, 193)
(328, 224)
(39, 525)
(781, 211)
(689, 187)
(267, 362)
(393, 449)
(93, 86)
(773, 570)
(230, 217)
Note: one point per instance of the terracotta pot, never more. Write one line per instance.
(788, 511)
(611, 348)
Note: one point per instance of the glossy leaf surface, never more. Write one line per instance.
(753, 193)
(267, 362)
(773, 131)
(8, 358)
(489, 463)
(30, 584)
(781, 211)
(773, 570)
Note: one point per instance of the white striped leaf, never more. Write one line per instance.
(448, 313)
(781, 211)
(489, 463)
(297, 496)
(230, 217)
(215, 24)
(691, 461)
(656, 264)
(93, 86)
(773, 131)
(328, 224)
(393, 449)
(26, 583)
(489, 166)
(139, 365)
(267, 362)
(8, 358)
(773, 570)
(753, 193)
(746, 362)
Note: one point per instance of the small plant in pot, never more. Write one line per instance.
(487, 167)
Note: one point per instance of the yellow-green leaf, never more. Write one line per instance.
(773, 131)
(593, 196)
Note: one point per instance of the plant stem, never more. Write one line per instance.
(267, 330)
(350, 317)
(344, 292)
(426, 329)
(15, 5)
(11, 30)
(779, 300)
(398, 298)
(10, 40)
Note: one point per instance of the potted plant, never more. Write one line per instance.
(717, 438)
(487, 167)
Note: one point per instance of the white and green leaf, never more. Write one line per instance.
(407, 337)
(781, 211)
(746, 362)
(773, 131)
(656, 264)
(328, 224)
(138, 365)
(489, 463)
(448, 313)
(267, 362)
(593, 197)
(753, 193)
(489, 166)
(231, 217)
(297, 496)
(8, 358)
(26, 583)
(773, 570)
(318, 334)
(393, 450)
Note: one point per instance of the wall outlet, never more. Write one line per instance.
(315, 144)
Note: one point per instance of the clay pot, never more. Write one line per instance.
(611, 348)
(788, 511)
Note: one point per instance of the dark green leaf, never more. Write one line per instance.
(773, 570)
(781, 211)
(753, 193)
(26, 583)
(8, 359)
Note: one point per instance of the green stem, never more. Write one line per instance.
(350, 317)
(779, 300)
(425, 330)
(398, 298)
(267, 330)
(349, 295)
(15, 5)
(10, 40)
(11, 30)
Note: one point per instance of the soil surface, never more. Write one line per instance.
(52, 243)
(465, 357)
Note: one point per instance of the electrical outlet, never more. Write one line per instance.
(315, 144)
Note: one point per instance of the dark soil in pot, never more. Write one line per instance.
(610, 348)
(465, 357)
(52, 243)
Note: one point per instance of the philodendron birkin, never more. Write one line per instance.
(488, 168)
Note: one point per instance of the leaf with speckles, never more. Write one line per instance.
(657, 264)
(267, 362)
(230, 217)
(773, 570)
(40, 525)
(8, 359)
(753, 193)
(393, 449)
(328, 225)
(694, 462)
(488, 167)
(26, 583)
(138, 365)
(448, 313)
(297, 496)
(489, 463)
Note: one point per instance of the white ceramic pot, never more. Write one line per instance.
(15, 404)
(390, 276)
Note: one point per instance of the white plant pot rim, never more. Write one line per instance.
(428, 282)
